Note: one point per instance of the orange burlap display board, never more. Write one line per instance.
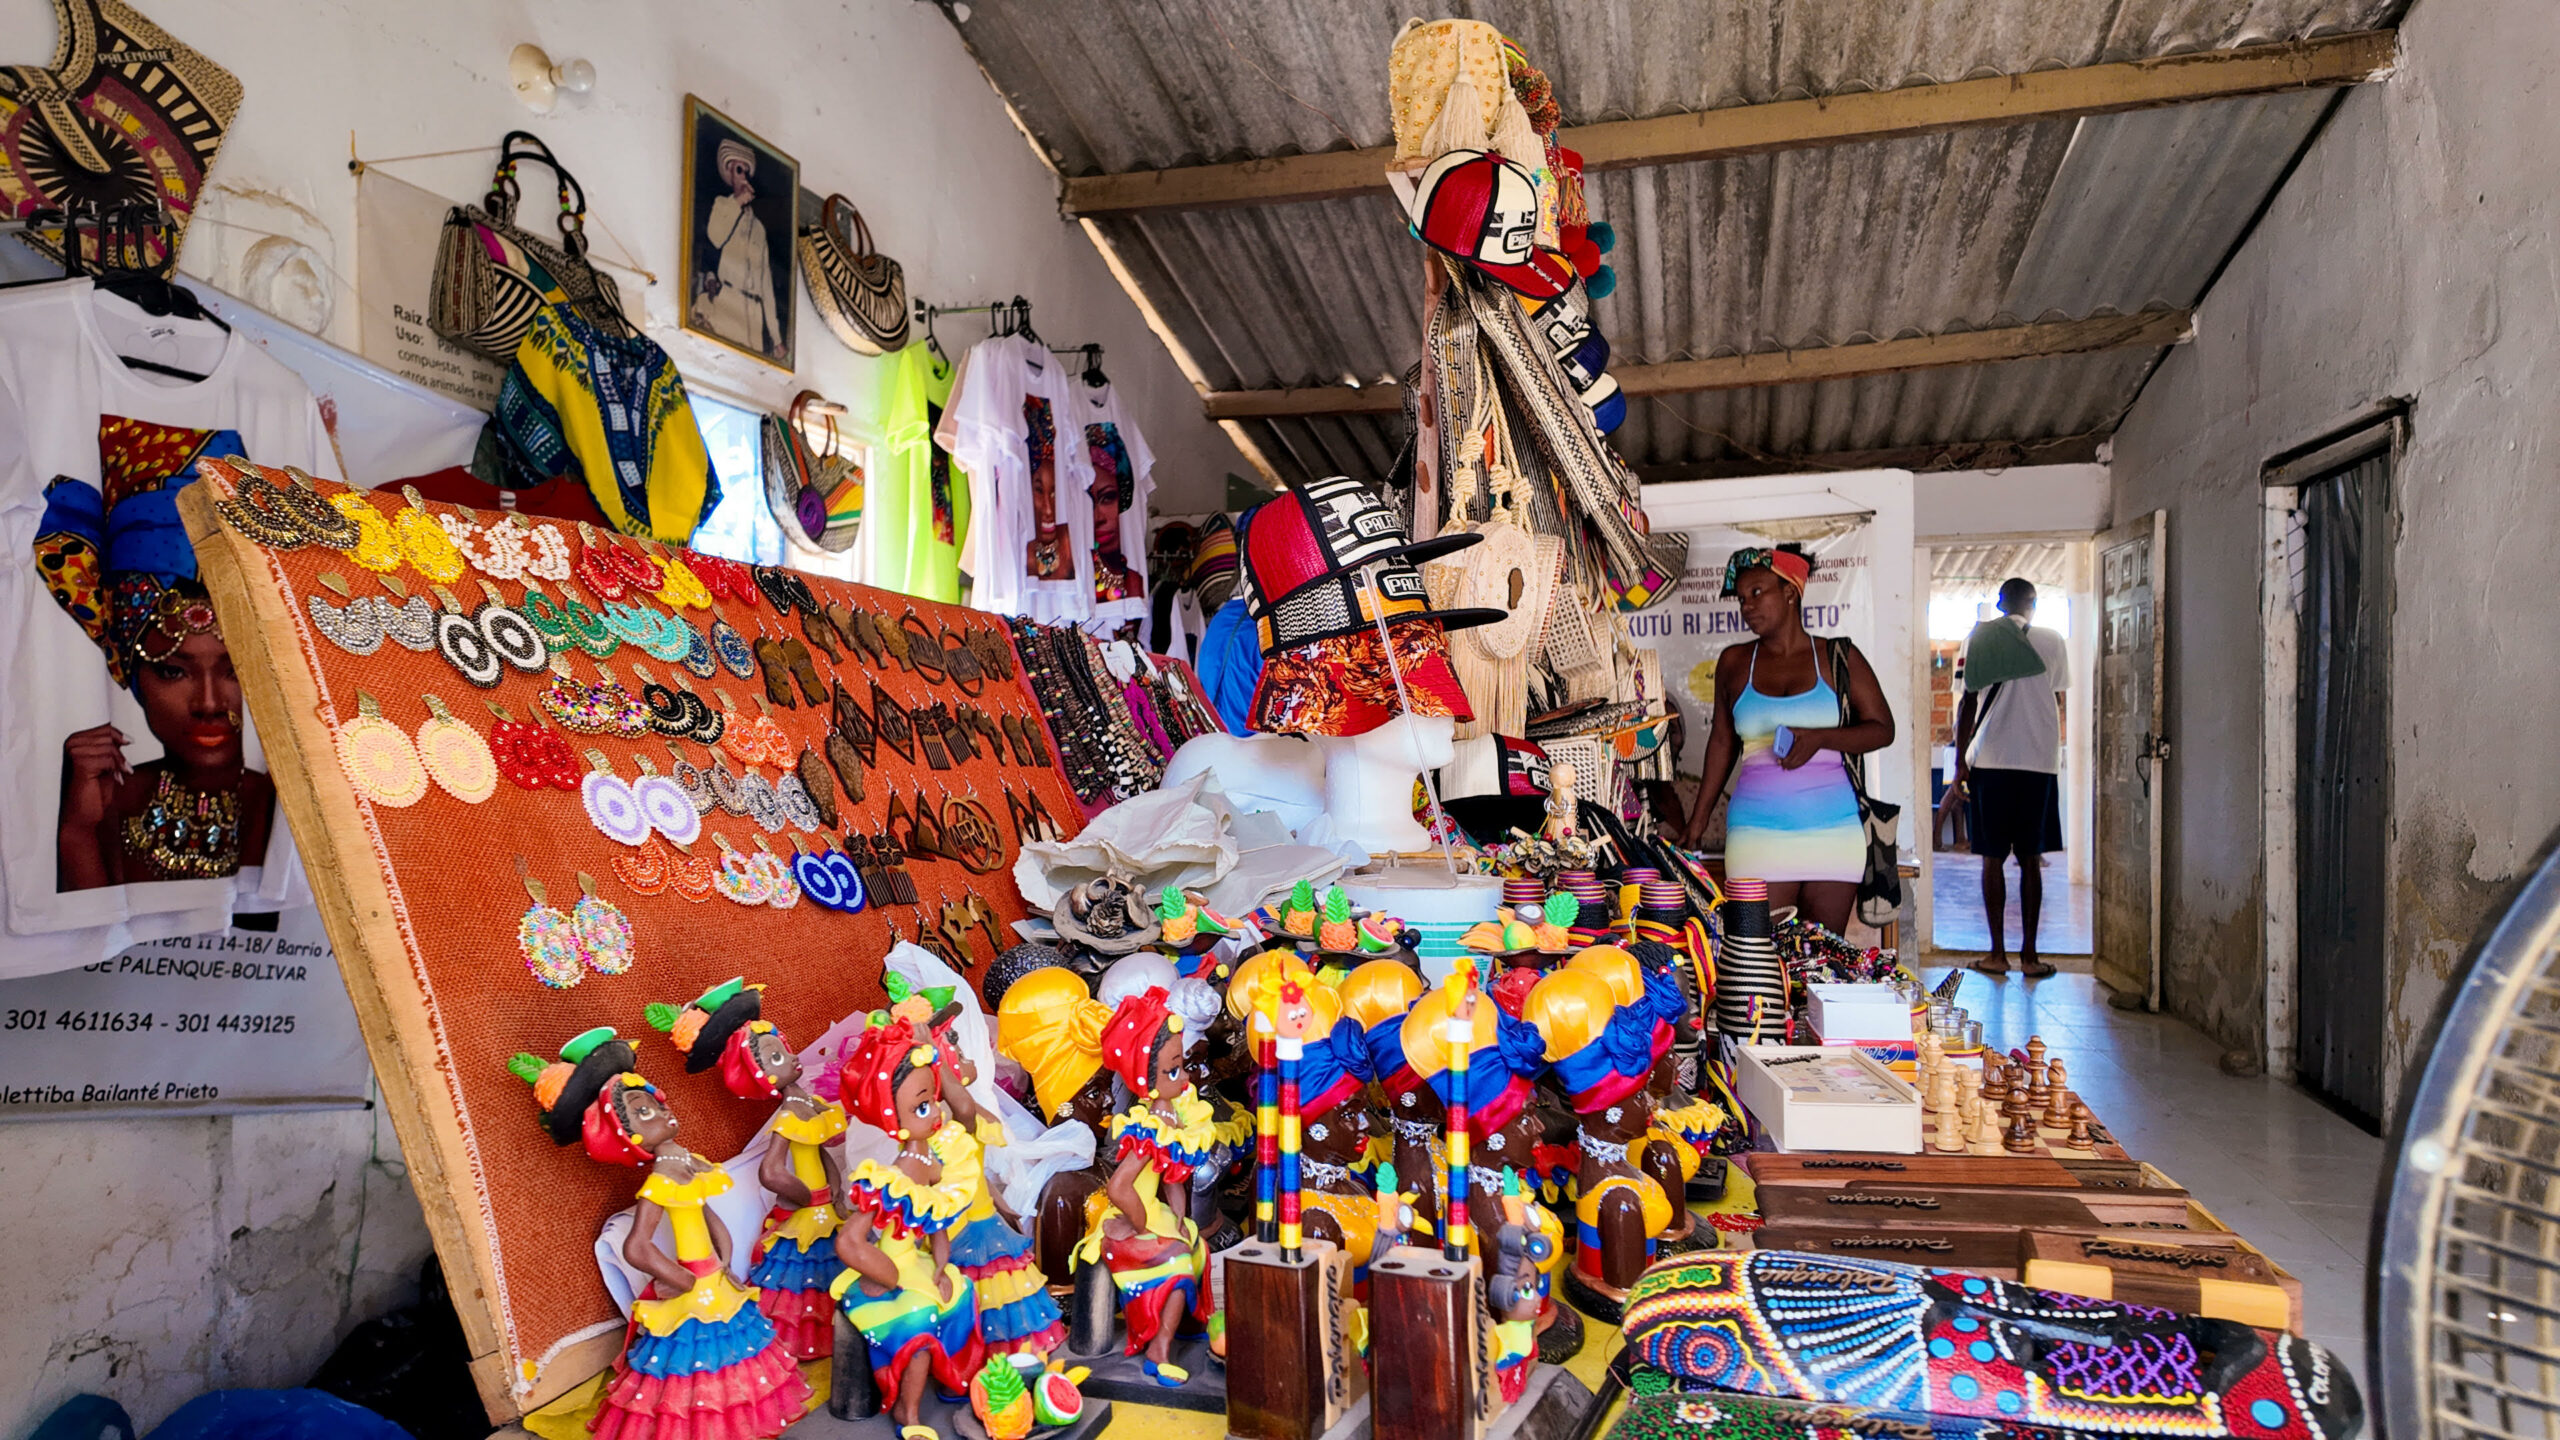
(423, 903)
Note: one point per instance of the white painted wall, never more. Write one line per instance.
(2412, 254)
(152, 1260)
(2025, 501)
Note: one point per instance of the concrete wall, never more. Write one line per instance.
(2412, 254)
(1980, 505)
(153, 1260)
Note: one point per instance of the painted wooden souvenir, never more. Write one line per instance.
(1602, 1054)
(700, 1357)
(803, 1166)
(1943, 1343)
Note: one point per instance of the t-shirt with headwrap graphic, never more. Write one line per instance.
(1123, 483)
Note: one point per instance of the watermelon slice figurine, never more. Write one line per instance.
(1055, 1399)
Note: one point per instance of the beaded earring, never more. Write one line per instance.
(680, 587)
(785, 891)
(611, 807)
(355, 627)
(668, 714)
(697, 652)
(547, 937)
(256, 508)
(741, 881)
(690, 779)
(379, 759)
(410, 624)
(376, 548)
(758, 798)
(665, 804)
(430, 550)
(455, 755)
(510, 634)
(817, 882)
(595, 567)
(604, 708)
(532, 755)
(730, 648)
(604, 932)
(797, 805)
(646, 870)
(465, 647)
(320, 520)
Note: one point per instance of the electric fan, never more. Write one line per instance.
(2468, 1303)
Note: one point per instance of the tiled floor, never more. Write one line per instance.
(1955, 889)
(2285, 1171)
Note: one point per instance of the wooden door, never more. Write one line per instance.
(2133, 753)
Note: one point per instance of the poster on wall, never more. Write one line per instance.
(398, 229)
(241, 1019)
(741, 214)
(1697, 624)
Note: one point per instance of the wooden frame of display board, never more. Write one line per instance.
(422, 903)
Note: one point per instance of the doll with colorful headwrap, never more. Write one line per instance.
(1505, 1057)
(1015, 1313)
(1602, 1054)
(1413, 1110)
(1333, 1118)
(1690, 1122)
(1155, 1255)
(1659, 1152)
(913, 1307)
(803, 1166)
(1049, 1024)
(699, 1359)
(117, 560)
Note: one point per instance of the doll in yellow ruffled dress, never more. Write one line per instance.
(1154, 1253)
(700, 1360)
(794, 1257)
(915, 1309)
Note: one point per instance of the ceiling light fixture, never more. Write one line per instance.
(540, 84)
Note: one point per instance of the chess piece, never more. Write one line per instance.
(1942, 1095)
(1995, 1085)
(1968, 1086)
(2080, 1139)
(1951, 1137)
(2035, 1051)
(2039, 1084)
(2057, 1109)
(2013, 1093)
(1986, 1130)
(2021, 1139)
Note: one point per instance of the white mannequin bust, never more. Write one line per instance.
(1279, 773)
(1368, 780)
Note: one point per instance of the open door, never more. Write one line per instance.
(2133, 751)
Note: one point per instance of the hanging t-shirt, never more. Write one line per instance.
(77, 421)
(1012, 426)
(1123, 480)
(919, 495)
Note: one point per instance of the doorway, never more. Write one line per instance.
(1964, 587)
(2339, 544)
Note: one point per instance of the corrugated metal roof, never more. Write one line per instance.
(1954, 231)
(1957, 566)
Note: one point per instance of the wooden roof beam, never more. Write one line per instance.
(2151, 329)
(2326, 62)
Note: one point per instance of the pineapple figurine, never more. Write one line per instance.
(1179, 917)
(1339, 933)
(1298, 916)
(1001, 1401)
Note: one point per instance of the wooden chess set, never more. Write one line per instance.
(2003, 1106)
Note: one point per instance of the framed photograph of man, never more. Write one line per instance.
(741, 212)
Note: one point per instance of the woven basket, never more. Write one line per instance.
(1574, 649)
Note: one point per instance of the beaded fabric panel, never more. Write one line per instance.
(449, 872)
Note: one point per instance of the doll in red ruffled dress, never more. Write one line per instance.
(803, 1166)
(700, 1361)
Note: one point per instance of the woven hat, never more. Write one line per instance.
(1305, 555)
(1213, 564)
(1483, 209)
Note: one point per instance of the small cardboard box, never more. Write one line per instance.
(1813, 1097)
(1845, 1014)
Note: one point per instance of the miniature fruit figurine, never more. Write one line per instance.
(1298, 916)
(1380, 932)
(1000, 1400)
(1055, 1399)
(1180, 918)
(1555, 927)
(1338, 932)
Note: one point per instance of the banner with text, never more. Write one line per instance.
(398, 227)
(236, 1020)
(1696, 626)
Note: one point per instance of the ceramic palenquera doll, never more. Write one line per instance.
(1153, 1251)
(1049, 1024)
(1015, 1313)
(1333, 1116)
(1681, 1118)
(794, 1259)
(700, 1361)
(915, 1309)
(1602, 1055)
(1659, 1152)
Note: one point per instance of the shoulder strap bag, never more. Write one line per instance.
(492, 274)
(1880, 889)
(859, 292)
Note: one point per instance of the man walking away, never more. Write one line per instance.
(2008, 755)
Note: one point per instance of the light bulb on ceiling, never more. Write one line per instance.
(577, 77)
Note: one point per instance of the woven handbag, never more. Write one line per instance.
(859, 292)
(492, 274)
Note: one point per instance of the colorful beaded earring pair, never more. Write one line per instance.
(561, 946)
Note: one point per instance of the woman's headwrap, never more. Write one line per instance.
(1051, 1026)
(715, 1025)
(1790, 565)
(1602, 1053)
(1333, 1062)
(1662, 982)
(871, 1074)
(1504, 1059)
(1129, 1040)
(116, 556)
(1263, 971)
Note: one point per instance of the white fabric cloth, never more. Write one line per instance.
(986, 429)
(59, 376)
(1100, 416)
(2021, 729)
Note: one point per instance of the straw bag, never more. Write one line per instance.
(815, 498)
(1510, 570)
(859, 292)
(492, 275)
(1578, 652)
